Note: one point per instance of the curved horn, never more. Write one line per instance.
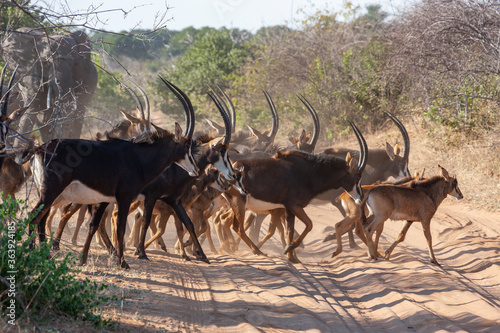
(186, 103)
(225, 117)
(363, 158)
(274, 113)
(9, 88)
(314, 114)
(146, 102)
(404, 133)
(231, 106)
(1, 90)
(134, 95)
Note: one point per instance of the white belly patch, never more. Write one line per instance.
(259, 206)
(78, 192)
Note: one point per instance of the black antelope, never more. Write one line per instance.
(290, 180)
(93, 172)
(171, 184)
(417, 201)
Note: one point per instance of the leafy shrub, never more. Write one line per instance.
(41, 283)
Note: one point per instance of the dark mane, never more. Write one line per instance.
(204, 138)
(427, 183)
(321, 159)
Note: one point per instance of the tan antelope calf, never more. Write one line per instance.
(417, 201)
(353, 212)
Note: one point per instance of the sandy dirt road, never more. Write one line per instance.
(350, 293)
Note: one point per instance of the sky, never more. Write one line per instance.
(249, 14)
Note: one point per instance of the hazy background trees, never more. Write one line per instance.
(438, 59)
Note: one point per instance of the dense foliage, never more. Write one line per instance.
(44, 286)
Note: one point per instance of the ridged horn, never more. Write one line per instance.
(186, 103)
(225, 116)
(404, 133)
(363, 156)
(274, 113)
(134, 96)
(146, 102)
(5, 100)
(232, 114)
(314, 115)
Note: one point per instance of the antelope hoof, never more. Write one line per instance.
(435, 263)
(185, 257)
(288, 249)
(336, 253)
(124, 265)
(83, 261)
(74, 242)
(293, 259)
(55, 247)
(330, 237)
(164, 248)
(143, 257)
(202, 257)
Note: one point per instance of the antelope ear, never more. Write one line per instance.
(220, 129)
(303, 137)
(130, 118)
(15, 115)
(444, 173)
(231, 148)
(351, 163)
(178, 131)
(397, 149)
(215, 142)
(13, 96)
(390, 151)
(254, 132)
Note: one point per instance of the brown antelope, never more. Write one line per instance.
(290, 180)
(417, 201)
(99, 172)
(353, 211)
(382, 165)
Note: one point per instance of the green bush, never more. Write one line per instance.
(43, 284)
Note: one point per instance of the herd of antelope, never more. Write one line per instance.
(234, 178)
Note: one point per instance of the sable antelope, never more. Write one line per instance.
(418, 201)
(353, 211)
(12, 174)
(305, 143)
(164, 211)
(128, 128)
(290, 180)
(170, 185)
(381, 165)
(93, 172)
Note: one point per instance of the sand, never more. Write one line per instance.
(243, 292)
